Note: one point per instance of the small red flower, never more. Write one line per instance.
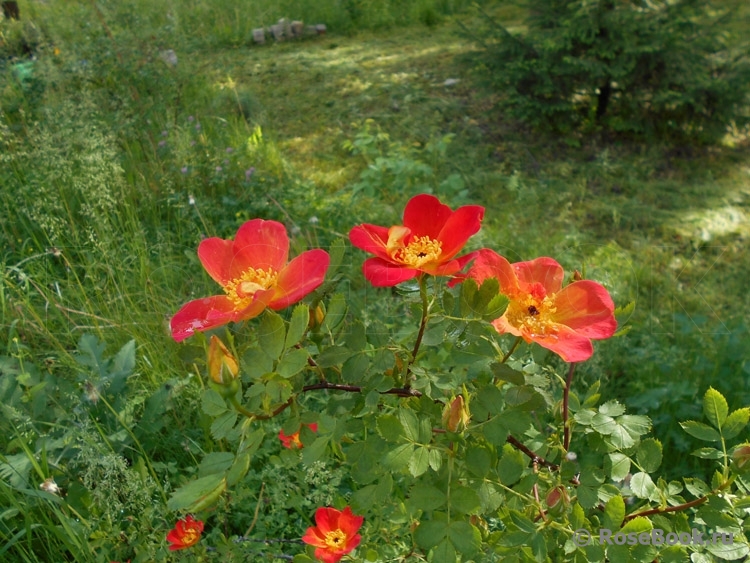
(293, 441)
(252, 270)
(427, 242)
(186, 533)
(561, 319)
(335, 533)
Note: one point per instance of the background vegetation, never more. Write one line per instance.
(115, 163)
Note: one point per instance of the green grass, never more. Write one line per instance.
(108, 185)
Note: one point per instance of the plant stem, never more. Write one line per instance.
(566, 394)
(534, 457)
(422, 325)
(677, 508)
(512, 349)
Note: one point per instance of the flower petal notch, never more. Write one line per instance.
(186, 533)
(561, 319)
(428, 242)
(254, 273)
(335, 533)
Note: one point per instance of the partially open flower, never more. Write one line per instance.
(186, 533)
(335, 533)
(222, 366)
(456, 415)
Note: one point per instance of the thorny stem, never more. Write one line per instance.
(400, 391)
(542, 514)
(422, 325)
(677, 508)
(566, 393)
(534, 458)
(512, 349)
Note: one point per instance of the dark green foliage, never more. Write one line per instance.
(654, 70)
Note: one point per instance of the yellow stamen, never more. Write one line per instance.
(241, 290)
(335, 539)
(190, 537)
(420, 251)
(532, 316)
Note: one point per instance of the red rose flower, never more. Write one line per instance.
(186, 533)
(293, 441)
(335, 534)
(561, 319)
(252, 270)
(427, 242)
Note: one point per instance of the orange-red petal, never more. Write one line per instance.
(489, 264)
(216, 255)
(370, 238)
(350, 524)
(424, 215)
(586, 307)
(385, 274)
(261, 245)
(545, 271)
(201, 314)
(460, 226)
(302, 275)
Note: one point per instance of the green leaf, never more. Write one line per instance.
(333, 356)
(707, 453)
(355, 368)
(731, 551)
(335, 313)
(603, 424)
(389, 427)
(293, 362)
(696, 487)
(256, 363)
(642, 485)
(620, 466)
(715, 407)
(636, 424)
(614, 513)
(612, 408)
(398, 458)
(315, 451)
(222, 425)
(490, 497)
(297, 325)
(436, 459)
(588, 490)
(215, 462)
(478, 460)
(239, 468)
(510, 420)
(465, 537)
(271, 334)
(506, 373)
(410, 424)
(511, 465)
(336, 251)
(212, 403)
(700, 431)
(419, 461)
(198, 494)
(649, 455)
(430, 533)
(426, 497)
(444, 552)
(735, 423)
(465, 500)
(302, 558)
(524, 397)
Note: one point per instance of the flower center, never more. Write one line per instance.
(241, 290)
(420, 251)
(190, 537)
(335, 539)
(532, 315)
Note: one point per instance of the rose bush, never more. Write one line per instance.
(461, 439)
